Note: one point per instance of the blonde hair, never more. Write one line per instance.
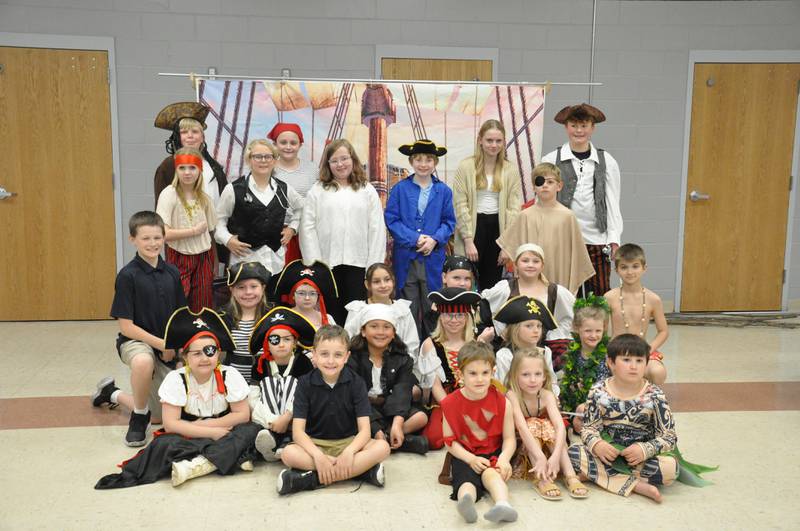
(513, 372)
(545, 168)
(480, 173)
(589, 312)
(541, 273)
(467, 335)
(199, 189)
(260, 142)
(189, 123)
(357, 179)
(511, 334)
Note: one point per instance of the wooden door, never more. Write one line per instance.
(740, 156)
(436, 69)
(58, 234)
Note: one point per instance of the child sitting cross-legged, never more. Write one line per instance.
(627, 411)
(277, 345)
(478, 430)
(330, 428)
(207, 424)
(543, 452)
(380, 358)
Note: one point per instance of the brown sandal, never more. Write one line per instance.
(543, 486)
(573, 484)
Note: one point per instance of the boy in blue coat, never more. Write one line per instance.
(421, 219)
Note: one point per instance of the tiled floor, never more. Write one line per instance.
(54, 447)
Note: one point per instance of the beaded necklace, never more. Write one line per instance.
(622, 311)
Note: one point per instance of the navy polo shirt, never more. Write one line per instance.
(331, 412)
(147, 295)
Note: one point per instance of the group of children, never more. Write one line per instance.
(499, 376)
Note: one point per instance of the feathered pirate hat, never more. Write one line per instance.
(184, 326)
(422, 146)
(523, 308)
(170, 115)
(279, 318)
(454, 300)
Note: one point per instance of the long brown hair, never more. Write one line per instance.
(357, 179)
(480, 173)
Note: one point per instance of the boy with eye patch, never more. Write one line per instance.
(283, 334)
(554, 228)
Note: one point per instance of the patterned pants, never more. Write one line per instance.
(658, 470)
(197, 275)
(600, 283)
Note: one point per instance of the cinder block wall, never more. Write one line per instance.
(641, 57)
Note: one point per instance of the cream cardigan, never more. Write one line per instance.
(465, 202)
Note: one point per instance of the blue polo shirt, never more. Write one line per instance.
(147, 295)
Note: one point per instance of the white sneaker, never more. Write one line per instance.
(247, 466)
(183, 471)
(265, 444)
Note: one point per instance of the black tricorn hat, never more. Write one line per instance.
(247, 270)
(422, 146)
(318, 273)
(172, 114)
(287, 319)
(457, 262)
(454, 300)
(582, 111)
(184, 325)
(523, 308)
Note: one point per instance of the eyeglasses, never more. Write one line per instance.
(342, 160)
(454, 316)
(306, 294)
(208, 350)
(263, 157)
(275, 339)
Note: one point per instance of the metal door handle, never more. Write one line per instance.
(5, 194)
(697, 196)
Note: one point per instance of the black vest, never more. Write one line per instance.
(253, 222)
(570, 180)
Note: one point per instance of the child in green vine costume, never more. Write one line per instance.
(585, 360)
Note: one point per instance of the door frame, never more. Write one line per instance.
(735, 56)
(103, 44)
(435, 52)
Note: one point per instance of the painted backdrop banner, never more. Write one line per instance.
(377, 119)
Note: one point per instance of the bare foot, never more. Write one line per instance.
(646, 489)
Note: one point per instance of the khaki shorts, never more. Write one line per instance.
(132, 348)
(333, 447)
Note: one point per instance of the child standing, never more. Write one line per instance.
(248, 284)
(633, 307)
(483, 445)
(527, 321)
(278, 364)
(380, 358)
(207, 424)
(585, 361)
(380, 283)
(188, 212)
(146, 292)
(554, 228)
(330, 427)
(419, 215)
(543, 452)
(636, 415)
(529, 266)
(591, 189)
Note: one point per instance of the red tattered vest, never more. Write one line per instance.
(456, 406)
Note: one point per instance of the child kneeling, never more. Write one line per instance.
(478, 430)
(331, 428)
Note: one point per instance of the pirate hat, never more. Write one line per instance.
(247, 270)
(184, 327)
(422, 146)
(454, 300)
(318, 275)
(282, 318)
(523, 308)
(170, 115)
(457, 262)
(583, 111)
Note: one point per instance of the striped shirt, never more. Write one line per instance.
(241, 359)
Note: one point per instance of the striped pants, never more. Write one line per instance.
(197, 275)
(658, 470)
(600, 283)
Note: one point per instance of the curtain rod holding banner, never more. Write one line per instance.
(194, 77)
